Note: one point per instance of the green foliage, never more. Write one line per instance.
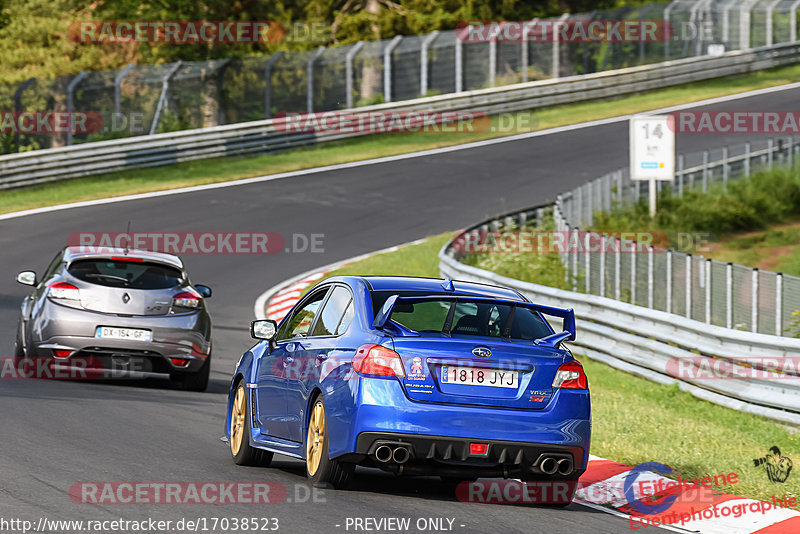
(766, 198)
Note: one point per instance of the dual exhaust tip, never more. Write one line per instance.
(396, 454)
(550, 465)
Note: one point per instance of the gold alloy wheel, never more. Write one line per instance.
(316, 438)
(238, 413)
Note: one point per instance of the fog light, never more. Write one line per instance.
(180, 362)
(479, 449)
(62, 353)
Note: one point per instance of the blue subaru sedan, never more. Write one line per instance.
(414, 376)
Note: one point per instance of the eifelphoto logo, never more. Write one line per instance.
(176, 31)
(198, 242)
(777, 466)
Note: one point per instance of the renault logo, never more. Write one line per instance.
(481, 352)
(126, 298)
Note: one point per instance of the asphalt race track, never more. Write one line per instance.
(56, 433)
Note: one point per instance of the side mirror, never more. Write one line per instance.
(204, 291)
(264, 329)
(27, 278)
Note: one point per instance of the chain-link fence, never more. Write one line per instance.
(714, 292)
(144, 99)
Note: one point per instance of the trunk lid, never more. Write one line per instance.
(478, 371)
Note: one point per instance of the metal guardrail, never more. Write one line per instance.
(649, 342)
(266, 136)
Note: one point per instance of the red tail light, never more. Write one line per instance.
(63, 290)
(179, 362)
(377, 360)
(187, 299)
(570, 375)
(62, 353)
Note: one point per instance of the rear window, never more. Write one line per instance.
(127, 274)
(485, 319)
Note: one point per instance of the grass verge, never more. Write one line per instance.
(224, 169)
(637, 421)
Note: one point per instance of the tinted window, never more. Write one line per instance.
(471, 319)
(332, 312)
(127, 274)
(301, 321)
(347, 318)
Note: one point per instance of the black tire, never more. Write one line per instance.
(197, 381)
(328, 473)
(19, 348)
(246, 454)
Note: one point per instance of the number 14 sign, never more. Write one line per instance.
(652, 147)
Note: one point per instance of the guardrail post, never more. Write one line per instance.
(778, 304)
(524, 59)
(642, 13)
(667, 11)
(310, 79)
(70, 101)
(602, 274)
(423, 60)
(770, 149)
(268, 83)
(650, 276)
(162, 100)
(586, 239)
(708, 290)
(729, 295)
(669, 281)
(18, 106)
(680, 175)
(744, 26)
(634, 255)
(770, 9)
(619, 188)
(725, 167)
(387, 67)
(556, 45)
(118, 88)
(793, 21)
(493, 55)
(754, 315)
(617, 268)
(574, 239)
(348, 71)
(790, 151)
(705, 170)
(688, 286)
(590, 195)
(458, 58)
(746, 160)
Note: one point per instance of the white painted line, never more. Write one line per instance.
(398, 157)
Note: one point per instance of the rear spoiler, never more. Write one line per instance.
(567, 315)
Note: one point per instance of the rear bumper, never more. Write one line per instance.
(381, 406)
(185, 336)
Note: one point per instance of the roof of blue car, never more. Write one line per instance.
(434, 285)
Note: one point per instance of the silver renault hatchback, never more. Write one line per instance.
(123, 311)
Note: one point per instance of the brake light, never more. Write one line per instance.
(186, 299)
(179, 362)
(126, 258)
(62, 353)
(377, 360)
(570, 375)
(63, 290)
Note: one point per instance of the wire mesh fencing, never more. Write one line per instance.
(661, 278)
(145, 99)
